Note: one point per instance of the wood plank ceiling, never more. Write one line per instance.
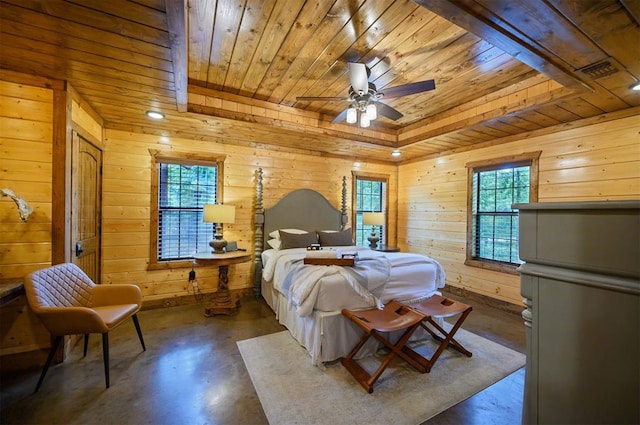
(232, 70)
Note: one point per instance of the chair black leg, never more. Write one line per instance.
(52, 352)
(135, 322)
(86, 345)
(105, 355)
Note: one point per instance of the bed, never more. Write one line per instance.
(308, 299)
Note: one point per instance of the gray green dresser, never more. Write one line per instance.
(581, 287)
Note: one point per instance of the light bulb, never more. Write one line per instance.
(155, 115)
(352, 116)
(372, 113)
(364, 120)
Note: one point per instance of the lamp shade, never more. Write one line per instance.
(214, 213)
(373, 218)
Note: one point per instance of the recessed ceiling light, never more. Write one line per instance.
(635, 86)
(155, 115)
(396, 152)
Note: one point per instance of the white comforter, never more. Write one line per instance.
(376, 279)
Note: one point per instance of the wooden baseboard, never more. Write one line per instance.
(483, 299)
(204, 298)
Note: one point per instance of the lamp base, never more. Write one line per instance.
(373, 241)
(218, 245)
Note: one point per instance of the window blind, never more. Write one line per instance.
(183, 190)
(495, 223)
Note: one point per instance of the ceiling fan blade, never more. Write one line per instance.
(387, 111)
(408, 89)
(358, 77)
(328, 99)
(341, 117)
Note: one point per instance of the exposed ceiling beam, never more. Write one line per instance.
(177, 24)
(435, 127)
(473, 17)
(238, 108)
(633, 7)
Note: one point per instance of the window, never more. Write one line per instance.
(181, 185)
(494, 186)
(370, 195)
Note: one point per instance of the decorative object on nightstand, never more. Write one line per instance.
(219, 214)
(373, 219)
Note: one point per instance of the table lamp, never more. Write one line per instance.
(373, 219)
(219, 214)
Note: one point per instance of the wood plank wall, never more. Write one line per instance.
(26, 140)
(26, 166)
(126, 204)
(595, 162)
(26, 124)
(591, 163)
(84, 123)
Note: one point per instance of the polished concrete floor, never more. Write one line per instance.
(192, 373)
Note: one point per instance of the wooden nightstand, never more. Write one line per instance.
(222, 302)
(386, 248)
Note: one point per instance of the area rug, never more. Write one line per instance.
(294, 391)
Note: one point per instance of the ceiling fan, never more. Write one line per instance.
(364, 97)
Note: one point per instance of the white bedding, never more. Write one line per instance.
(324, 331)
(401, 276)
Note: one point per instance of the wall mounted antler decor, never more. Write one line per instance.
(24, 209)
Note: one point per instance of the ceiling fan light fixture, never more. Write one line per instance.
(371, 112)
(352, 116)
(364, 96)
(364, 120)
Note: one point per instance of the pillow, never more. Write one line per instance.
(274, 243)
(276, 233)
(343, 238)
(297, 240)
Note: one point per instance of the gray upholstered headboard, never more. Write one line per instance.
(303, 209)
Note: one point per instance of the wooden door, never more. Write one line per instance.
(86, 213)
